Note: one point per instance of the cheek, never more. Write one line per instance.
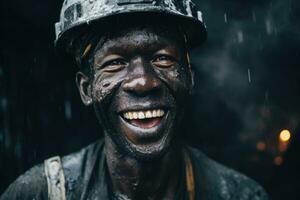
(178, 80)
(104, 86)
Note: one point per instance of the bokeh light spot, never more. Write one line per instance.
(278, 160)
(260, 146)
(285, 135)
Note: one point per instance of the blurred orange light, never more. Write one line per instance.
(278, 160)
(285, 135)
(261, 146)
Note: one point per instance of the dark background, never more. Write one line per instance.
(248, 91)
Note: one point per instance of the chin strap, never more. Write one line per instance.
(189, 174)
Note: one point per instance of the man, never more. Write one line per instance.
(134, 70)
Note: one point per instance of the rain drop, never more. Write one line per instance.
(240, 36)
(249, 76)
(269, 27)
(225, 18)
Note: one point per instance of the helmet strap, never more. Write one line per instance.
(86, 50)
(189, 61)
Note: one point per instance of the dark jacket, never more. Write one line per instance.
(86, 178)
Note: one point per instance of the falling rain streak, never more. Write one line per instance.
(68, 110)
(269, 28)
(240, 36)
(225, 18)
(249, 75)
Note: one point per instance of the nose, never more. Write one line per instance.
(142, 79)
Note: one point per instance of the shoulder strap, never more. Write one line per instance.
(55, 179)
(189, 174)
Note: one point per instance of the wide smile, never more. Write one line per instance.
(144, 119)
(144, 125)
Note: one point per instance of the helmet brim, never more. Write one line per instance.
(193, 28)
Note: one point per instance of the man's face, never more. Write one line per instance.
(141, 80)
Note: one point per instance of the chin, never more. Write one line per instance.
(150, 151)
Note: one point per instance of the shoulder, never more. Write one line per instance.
(79, 159)
(78, 168)
(33, 183)
(222, 182)
(30, 185)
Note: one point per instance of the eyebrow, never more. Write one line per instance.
(123, 51)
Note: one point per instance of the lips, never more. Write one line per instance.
(144, 119)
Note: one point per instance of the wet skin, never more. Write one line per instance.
(135, 71)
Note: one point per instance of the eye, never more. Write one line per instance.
(164, 61)
(114, 65)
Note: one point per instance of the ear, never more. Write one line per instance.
(84, 87)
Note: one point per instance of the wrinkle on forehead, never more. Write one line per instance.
(137, 41)
(140, 39)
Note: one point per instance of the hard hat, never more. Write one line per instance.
(77, 14)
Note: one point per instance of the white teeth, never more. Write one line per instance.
(148, 114)
(144, 114)
(154, 113)
(130, 116)
(158, 113)
(135, 115)
(126, 115)
(141, 115)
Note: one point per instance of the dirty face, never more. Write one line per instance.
(140, 82)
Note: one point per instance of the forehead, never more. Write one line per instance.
(140, 38)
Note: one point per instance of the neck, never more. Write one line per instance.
(138, 179)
